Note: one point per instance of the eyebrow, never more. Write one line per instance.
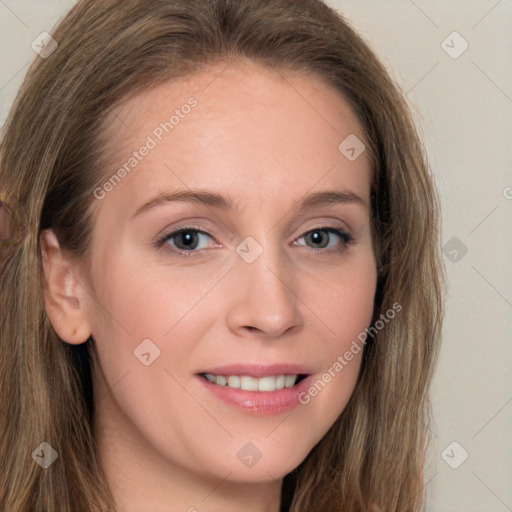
(215, 200)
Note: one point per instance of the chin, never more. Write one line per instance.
(268, 464)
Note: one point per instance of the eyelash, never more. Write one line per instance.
(346, 238)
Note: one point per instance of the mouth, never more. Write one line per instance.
(257, 389)
(265, 384)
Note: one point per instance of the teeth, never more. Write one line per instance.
(233, 381)
(267, 384)
(289, 381)
(247, 383)
(280, 381)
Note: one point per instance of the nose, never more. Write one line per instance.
(264, 299)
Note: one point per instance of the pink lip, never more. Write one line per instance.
(259, 402)
(259, 370)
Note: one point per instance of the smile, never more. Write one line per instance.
(268, 383)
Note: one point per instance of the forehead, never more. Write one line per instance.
(251, 129)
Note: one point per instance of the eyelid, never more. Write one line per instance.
(345, 235)
(189, 227)
(319, 225)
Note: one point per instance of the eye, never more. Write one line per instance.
(320, 238)
(184, 240)
(187, 240)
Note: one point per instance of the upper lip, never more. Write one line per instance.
(259, 370)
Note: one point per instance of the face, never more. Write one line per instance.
(267, 285)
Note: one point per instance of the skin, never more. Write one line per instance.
(266, 141)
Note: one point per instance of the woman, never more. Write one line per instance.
(281, 364)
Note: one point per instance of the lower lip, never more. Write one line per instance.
(259, 402)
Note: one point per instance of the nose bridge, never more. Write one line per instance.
(266, 300)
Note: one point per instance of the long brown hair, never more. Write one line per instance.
(51, 149)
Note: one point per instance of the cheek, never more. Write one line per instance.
(343, 306)
(126, 311)
(344, 302)
(135, 301)
(139, 309)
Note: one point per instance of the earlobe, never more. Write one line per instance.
(65, 299)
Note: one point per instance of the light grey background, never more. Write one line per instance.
(463, 106)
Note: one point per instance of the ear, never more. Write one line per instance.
(65, 298)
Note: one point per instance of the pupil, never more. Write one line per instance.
(187, 239)
(316, 236)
